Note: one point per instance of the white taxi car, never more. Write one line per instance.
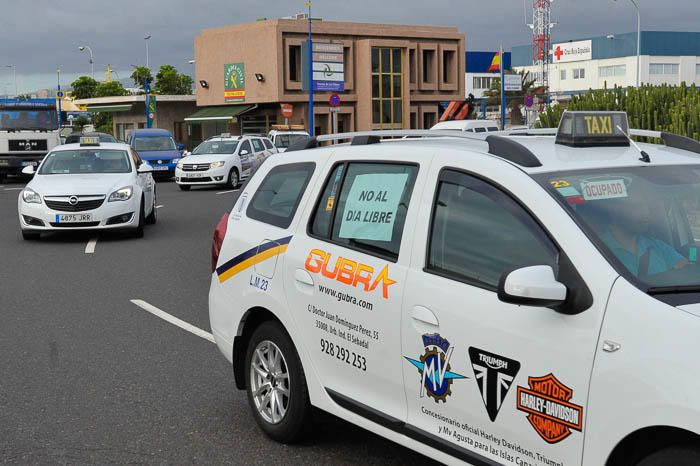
(88, 186)
(496, 299)
(223, 160)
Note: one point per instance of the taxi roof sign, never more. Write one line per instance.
(586, 129)
(89, 141)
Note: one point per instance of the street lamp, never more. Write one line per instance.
(146, 38)
(639, 39)
(14, 73)
(82, 48)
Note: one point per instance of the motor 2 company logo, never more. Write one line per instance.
(549, 409)
(434, 368)
(494, 374)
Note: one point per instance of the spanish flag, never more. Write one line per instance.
(495, 66)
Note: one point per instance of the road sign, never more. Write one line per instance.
(512, 82)
(59, 94)
(529, 101)
(328, 66)
(287, 110)
(334, 100)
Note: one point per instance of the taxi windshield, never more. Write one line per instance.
(85, 161)
(645, 219)
(154, 143)
(216, 147)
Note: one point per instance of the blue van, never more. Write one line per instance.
(158, 148)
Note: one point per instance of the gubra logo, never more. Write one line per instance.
(349, 272)
(434, 368)
(549, 409)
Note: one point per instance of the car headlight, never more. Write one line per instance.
(30, 196)
(218, 164)
(121, 194)
(180, 164)
(175, 161)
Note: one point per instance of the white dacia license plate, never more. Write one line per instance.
(196, 175)
(73, 218)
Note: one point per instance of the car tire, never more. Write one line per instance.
(30, 235)
(682, 455)
(278, 396)
(234, 179)
(152, 217)
(184, 187)
(138, 232)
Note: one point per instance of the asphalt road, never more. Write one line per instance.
(87, 377)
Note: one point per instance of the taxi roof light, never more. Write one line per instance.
(89, 141)
(588, 129)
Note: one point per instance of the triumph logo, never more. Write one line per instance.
(494, 374)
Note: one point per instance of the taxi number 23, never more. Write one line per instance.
(343, 354)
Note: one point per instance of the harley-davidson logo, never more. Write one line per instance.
(549, 409)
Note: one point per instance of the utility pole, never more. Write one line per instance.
(311, 77)
(59, 96)
(503, 91)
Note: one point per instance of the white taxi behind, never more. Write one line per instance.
(88, 186)
(500, 299)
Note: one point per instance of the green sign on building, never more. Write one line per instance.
(234, 82)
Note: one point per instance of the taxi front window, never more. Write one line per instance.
(154, 143)
(645, 219)
(216, 147)
(85, 161)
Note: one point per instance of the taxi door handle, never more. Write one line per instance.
(423, 315)
(302, 276)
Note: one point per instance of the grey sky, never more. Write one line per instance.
(38, 35)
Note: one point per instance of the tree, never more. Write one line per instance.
(84, 87)
(80, 122)
(109, 89)
(140, 75)
(170, 82)
(513, 98)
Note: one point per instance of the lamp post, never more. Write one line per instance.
(59, 97)
(146, 38)
(14, 75)
(639, 39)
(82, 48)
(311, 77)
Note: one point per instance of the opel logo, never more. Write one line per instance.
(73, 200)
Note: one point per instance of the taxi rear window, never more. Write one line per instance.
(364, 206)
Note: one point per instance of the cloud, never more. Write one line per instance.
(38, 35)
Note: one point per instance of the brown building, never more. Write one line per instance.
(394, 75)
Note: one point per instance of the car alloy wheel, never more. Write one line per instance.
(269, 382)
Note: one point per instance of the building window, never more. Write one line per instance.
(610, 71)
(295, 63)
(448, 66)
(412, 66)
(482, 82)
(428, 64)
(663, 68)
(562, 75)
(579, 73)
(387, 87)
(429, 119)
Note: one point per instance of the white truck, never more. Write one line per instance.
(28, 131)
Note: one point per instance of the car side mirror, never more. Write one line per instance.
(28, 170)
(244, 152)
(145, 167)
(532, 286)
(180, 147)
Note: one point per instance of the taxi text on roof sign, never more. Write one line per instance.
(89, 141)
(584, 129)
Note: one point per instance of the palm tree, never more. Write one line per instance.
(513, 98)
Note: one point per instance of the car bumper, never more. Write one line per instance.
(209, 177)
(109, 216)
(15, 163)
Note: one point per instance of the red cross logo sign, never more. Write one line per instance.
(558, 53)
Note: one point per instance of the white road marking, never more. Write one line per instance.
(173, 320)
(159, 206)
(229, 191)
(13, 189)
(90, 248)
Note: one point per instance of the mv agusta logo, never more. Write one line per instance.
(494, 374)
(549, 409)
(434, 368)
(349, 272)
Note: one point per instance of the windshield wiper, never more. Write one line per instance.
(673, 289)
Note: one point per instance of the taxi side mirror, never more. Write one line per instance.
(145, 168)
(28, 170)
(532, 286)
(244, 152)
